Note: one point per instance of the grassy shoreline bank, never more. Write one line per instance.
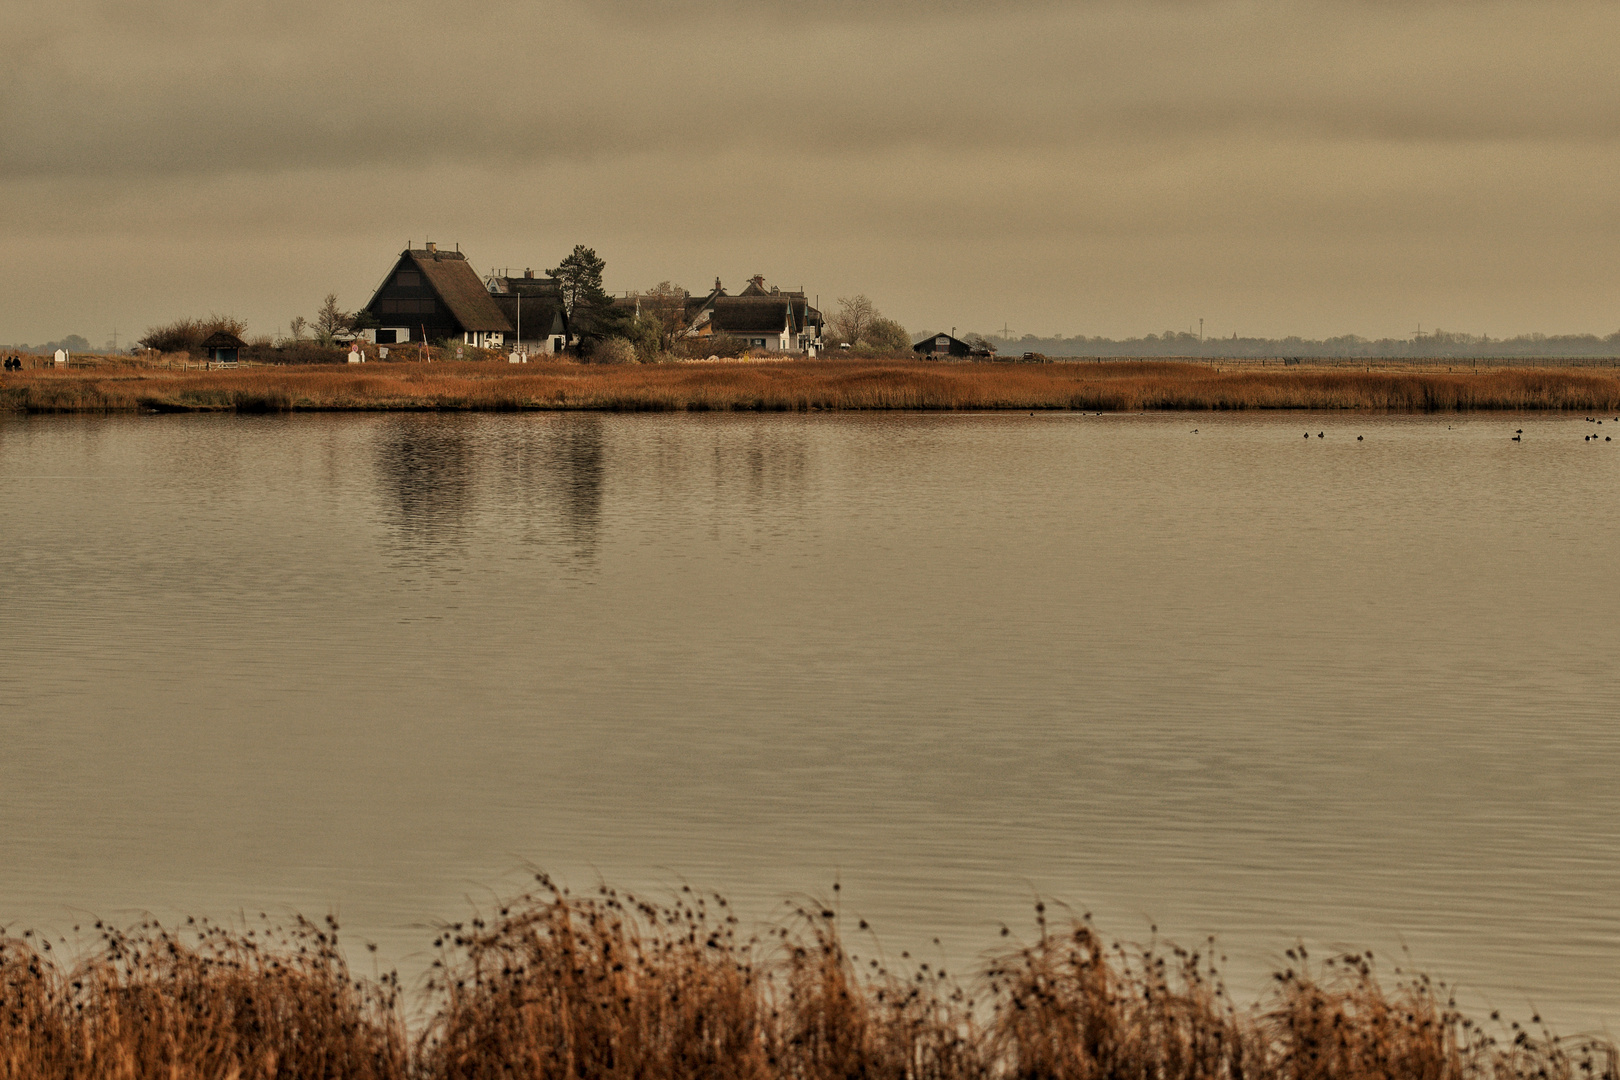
(611, 986)
(817, 385)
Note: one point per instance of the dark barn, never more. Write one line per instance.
(943, 345)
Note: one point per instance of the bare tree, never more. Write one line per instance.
(854, 318)
(298, 325)
(664, 308)
(186, 335)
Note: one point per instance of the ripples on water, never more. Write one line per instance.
(1237, 682)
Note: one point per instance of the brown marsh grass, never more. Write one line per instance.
(838, 384)
(199, 1001)
(616, 987)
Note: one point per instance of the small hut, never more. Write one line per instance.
(222, 347)
(946, 345)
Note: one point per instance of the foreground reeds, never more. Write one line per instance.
(614, 987)
(1113, 386)
(197, 1002)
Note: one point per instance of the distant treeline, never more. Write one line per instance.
(73, 343)
(1440, 343)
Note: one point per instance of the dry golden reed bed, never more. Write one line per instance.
(1113, 386)
(614, 987)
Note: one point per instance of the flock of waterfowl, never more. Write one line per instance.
(1518, 433)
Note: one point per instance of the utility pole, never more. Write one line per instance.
(1200, 331)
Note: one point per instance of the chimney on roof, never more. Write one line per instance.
(717, 283)
(431, 246)
(528, 273)
(758, 281)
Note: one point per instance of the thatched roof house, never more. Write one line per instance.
(767, 318)
(222, 347)
(432, 294)
(534, 307)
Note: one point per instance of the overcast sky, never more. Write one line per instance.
(1093, 166)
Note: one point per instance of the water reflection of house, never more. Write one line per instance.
(534, 307)
(432, 295)
(428, 465)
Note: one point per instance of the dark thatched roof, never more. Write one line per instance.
(541, 304)
(452, 277)
(540, 316)
(752, 314)
(526, 286)
(222, 339)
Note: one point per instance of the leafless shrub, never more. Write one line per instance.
(185, 335)
(613, 350)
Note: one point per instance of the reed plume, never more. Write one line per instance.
(612, 986)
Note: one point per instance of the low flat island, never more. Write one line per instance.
(814, 385)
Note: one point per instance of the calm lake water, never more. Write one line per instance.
(1235, 682)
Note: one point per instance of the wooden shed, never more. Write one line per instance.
(942, 345)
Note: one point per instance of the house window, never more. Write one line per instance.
(408, 277)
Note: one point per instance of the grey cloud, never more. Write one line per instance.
(1079, 166)
(244, 87)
